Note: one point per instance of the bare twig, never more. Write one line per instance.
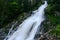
(42, 36)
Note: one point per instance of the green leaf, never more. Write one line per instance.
(14, 3)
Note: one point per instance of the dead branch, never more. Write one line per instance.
(42, 36)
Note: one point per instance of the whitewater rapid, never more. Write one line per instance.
(27, 30)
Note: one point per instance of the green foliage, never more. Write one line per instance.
(58, 29)
(53, 16)
(11, 9)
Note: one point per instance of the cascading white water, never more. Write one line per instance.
(29, 27)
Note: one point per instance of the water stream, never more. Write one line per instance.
(27, 30)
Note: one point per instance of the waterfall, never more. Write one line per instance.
(27, 30)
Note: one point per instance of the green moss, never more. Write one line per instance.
(14, 3)
(58, 27)
(52, 18)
